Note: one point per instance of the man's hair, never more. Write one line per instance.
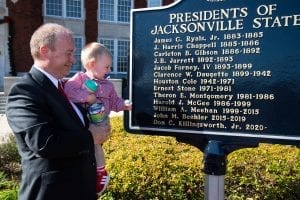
(46, 35)
(92, 51)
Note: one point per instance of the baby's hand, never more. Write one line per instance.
(128, 104)
(91, 98)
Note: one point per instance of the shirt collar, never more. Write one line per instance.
(52, 78)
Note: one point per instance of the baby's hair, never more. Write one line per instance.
(92, 51)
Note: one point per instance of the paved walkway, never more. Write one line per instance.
(5, 130)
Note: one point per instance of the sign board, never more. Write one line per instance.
(222, 68)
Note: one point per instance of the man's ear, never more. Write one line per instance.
(43, 51)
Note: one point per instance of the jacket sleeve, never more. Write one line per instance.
(43, 126)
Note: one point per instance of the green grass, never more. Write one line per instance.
(156, 167)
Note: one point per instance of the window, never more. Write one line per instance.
(120, 52)
(107, 10)
(154, 3)
(124, 7)
(123, 53)
(109, 43)
(78, 46)
(73, 8)
(54, 7)
(64, 8)
(115, 10)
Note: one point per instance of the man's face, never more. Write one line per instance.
(62, 57)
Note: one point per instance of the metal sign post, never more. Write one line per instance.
(214, 187)
(214, 169)
(215, 161)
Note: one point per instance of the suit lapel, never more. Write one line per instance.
(84, 113)
(48, 86)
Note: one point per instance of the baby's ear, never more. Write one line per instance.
(91, 63)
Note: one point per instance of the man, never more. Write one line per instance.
(53, 136)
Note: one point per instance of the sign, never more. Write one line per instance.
(222, 68)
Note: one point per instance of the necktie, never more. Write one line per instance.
(62, 92)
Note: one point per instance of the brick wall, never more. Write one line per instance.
(91, 23)
(140, 4)
(143, 3)
(166, 2)
(26, 16)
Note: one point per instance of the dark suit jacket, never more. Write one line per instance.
(57, 150)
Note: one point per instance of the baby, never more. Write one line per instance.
(98, 95)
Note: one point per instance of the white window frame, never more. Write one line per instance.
(127, 57)
(115, 12)
(64, 10)
(115, 54)
(114, 58)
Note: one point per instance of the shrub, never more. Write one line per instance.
(148, 167)
(9, 158)
(267, 172)
(9, 170)
(156, 167)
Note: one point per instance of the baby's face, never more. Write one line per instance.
(102, 67)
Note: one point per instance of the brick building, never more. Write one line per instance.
(105, 21)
